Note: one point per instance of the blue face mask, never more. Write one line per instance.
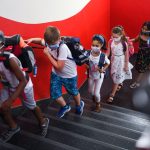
(53, 46)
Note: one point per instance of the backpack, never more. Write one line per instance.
(130, 46)
(79, 54)
(24, 54)
(101, 64)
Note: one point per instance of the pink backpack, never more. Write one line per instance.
(130, 46)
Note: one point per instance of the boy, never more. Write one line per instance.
(16, 83)
(64, 72)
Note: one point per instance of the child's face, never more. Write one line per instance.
(116, 37)
(96, 43)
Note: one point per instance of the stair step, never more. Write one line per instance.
(70, 137)
(121, 109)
(98, 124)
(97, 134)
(112, 117)
(30, 141)
(8, 146)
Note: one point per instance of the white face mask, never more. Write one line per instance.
(117, 39)
(95, 49)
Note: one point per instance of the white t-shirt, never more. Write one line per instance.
(94, 61)
(9, 77)
(70, 68)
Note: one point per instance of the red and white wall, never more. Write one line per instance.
(73, 17)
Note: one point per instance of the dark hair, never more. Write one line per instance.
(51, 35)
(147, 24)
(120, 30)
(2, 38)
(101, 40)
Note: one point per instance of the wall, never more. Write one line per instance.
(93, 18)
(129, 13)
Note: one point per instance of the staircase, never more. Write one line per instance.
(114, 128)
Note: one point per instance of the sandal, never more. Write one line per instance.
(134, 85)
(110, 99)
(119, 86)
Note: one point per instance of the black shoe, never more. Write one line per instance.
(44, 127)
(6, 136)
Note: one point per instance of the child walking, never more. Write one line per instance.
(120, 66)
(16, 83)
(142, 64)
(98, 63)
(64, 71)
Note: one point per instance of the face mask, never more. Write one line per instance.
(117, 39)
(95, 49)
(53, 46)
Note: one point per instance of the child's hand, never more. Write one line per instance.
(46, 51)
(96, 68)
(126, 68)
(28, 41)
(101, 70)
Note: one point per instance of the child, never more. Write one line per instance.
(130, 49)
(16, 83)
(64, 72)
(120, 66)
(96, 72)
(142, 63)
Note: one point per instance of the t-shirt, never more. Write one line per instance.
(70, 68)
(93, 62)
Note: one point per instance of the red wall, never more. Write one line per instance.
(130, 14)
(94, 18)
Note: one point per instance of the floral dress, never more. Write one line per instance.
(117, 64)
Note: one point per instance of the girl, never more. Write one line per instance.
(120, 66)
(96, 71)
(143, 57)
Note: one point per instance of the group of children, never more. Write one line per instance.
(17, 83)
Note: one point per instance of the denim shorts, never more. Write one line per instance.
(57, 82)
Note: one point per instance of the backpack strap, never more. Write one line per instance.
(5, 58)
(101, 60)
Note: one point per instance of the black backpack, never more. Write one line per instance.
(25, 55)
(79, 54)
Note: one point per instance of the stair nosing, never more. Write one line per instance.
(102, 122)
(74, 134)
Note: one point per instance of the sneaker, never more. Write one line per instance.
(79, 109)
(134, 85)
(6, 136)
(44, 127)
(63, 111)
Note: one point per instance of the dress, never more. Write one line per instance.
(143, 57)
(117, 64)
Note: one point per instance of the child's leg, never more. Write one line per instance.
(7, 116)
(97, 88)
(71, 86)
(114, 90)
(91, 85)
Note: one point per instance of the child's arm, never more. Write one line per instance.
(39, 41)
(136, 39)
(57, 64)
(22, 83)
(109, 48)
(126, 58)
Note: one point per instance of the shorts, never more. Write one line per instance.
(57, 82)
(27, 97)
